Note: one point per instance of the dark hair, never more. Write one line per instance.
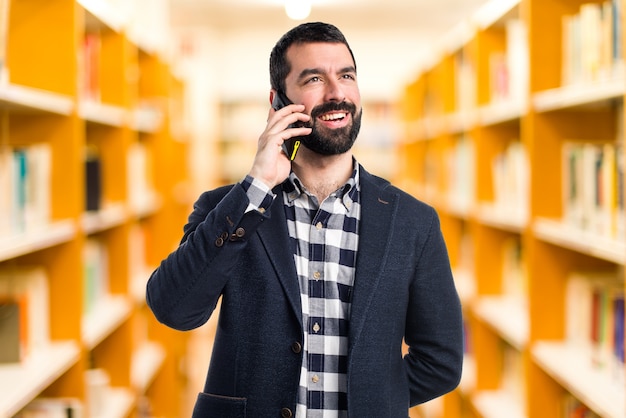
(302, 34)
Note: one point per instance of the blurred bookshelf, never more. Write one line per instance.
(515, 134)
(91, 167)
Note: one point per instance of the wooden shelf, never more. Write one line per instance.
(585, 242)
(21, 383)
(497, 404)
(76, 80)
(37, 239)
(109, 217)
(147, 361)
(106, 316)
(103, 114)
(23, 99)
(508, 315)
(571, 366)
(589, 94)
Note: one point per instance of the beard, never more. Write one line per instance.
(325, 141)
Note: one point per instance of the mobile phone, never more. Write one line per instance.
(291, 145)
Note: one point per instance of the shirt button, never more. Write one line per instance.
(286, 413)
(315, 378)
(317, 275)
(319, 226)
(296, 347)
(316, 328)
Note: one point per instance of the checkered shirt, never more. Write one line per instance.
(324, 239)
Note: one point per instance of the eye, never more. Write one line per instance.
(348, 77)
(313, 79)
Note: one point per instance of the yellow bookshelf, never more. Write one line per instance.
(75, 84)
(490, 129)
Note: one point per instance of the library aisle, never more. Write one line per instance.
(516, 134)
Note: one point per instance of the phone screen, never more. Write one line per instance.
(291, 145)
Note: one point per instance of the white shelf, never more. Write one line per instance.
(501, 112)
(579, 94)
(103, 114)
(461, 121)
(55, 233)
(468, 378)
(108, 217)
(564, 235)
(147, 361)
(106, 13)
(119, 403)
(508, 315)
(147, 119)
(145, 203)
(31, 100)
(105, 317)
(493, 11)
(508, 219)
(20, 383)
(465, 284)
(498, 404)
(571, 367)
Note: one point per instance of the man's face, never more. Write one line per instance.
(323, 78)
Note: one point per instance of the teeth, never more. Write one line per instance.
(333, 116)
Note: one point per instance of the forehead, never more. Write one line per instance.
(326, 56)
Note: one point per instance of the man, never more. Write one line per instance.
(322, 268)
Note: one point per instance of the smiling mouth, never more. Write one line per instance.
(333, 116)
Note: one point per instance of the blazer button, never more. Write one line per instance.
(296, 347)
(240, 232)
(286, 413)
(219, 242)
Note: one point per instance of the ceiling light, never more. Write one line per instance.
(298, 9)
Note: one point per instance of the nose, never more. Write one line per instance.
(334, 91)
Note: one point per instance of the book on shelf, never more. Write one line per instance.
(514, 276)
(508, 69)
(4, 32)
(460, 161)
(594, 318)
(12, 318)
(97, 385)
(89, 67)
(591, 43)
(464, 81)
(140, 184)
(24, 187)
(512, 380)
(592, 188)
(510, 176)
(52, 408)
(96, 273)
(93, 179)
(573, 408)
(24, 292)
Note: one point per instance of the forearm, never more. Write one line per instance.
(183, 291)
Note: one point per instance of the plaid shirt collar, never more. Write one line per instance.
(347, 193)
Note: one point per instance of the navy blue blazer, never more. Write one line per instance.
(403, 290)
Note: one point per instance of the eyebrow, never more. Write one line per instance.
(313, 71)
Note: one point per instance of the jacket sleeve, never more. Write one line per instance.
(434, 325)
(184, 289)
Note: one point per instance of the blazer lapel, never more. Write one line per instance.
(275, 238)
(378, 210)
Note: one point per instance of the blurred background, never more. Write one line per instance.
(507, 116)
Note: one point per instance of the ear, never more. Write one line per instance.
(272, 94)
